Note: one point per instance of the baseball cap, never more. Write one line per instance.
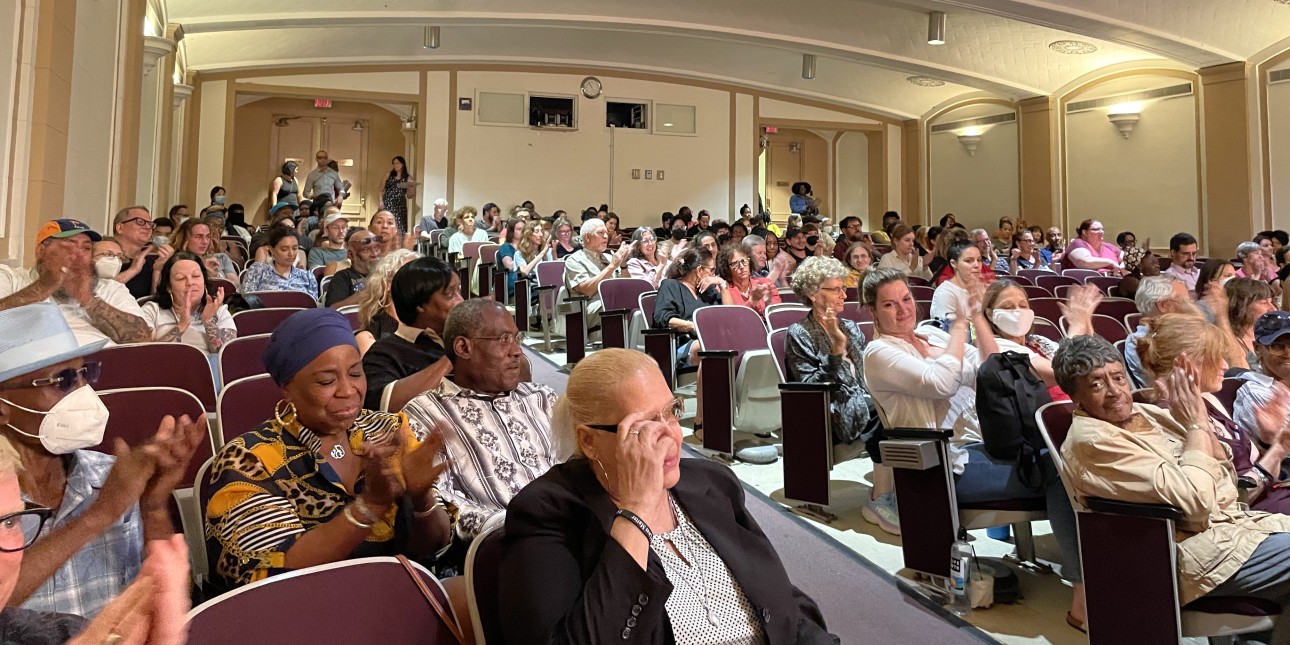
(279, 206)
(1271, 326)
(334, 217)
(63, 228)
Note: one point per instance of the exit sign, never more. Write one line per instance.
(770, 129)
(322, 103)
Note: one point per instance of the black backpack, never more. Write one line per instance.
(1007, 395)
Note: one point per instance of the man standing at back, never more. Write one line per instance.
(496, 427)
(312, 186)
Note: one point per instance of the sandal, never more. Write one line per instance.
(1076, 623)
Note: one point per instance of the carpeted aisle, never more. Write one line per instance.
(860, 603)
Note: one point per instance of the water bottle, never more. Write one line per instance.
(962, 563)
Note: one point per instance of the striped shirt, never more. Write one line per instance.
(107, 564)
(498, 443)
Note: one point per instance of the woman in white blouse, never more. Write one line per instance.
(952, 295)
(904, 256)
(183, 310)
(644, 261)
(925, 378)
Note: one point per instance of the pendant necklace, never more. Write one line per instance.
(338, 452)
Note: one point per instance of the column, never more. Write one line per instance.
(1226, 168)
(1038, 167)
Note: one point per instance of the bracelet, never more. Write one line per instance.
(635, 519)
(349, 515)
(432, 494)
(1265, 473)
(366, 510)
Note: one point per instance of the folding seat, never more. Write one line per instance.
(1103, 282)
(1049, 308)
(169, 365)
(1081, 274)
(483, 582)
(261, 321)
(1105, 326)
(1129, 561)
(1116, 308)
(1052, 281)
(290, 298)
(471, 251)
(244, 404)
(1046, 328)
(621, 321)
(785, 317)
(1036, 292)
(1032, 274)
(1020, 279)
(242, 356)
(482, 273)
(738, 375)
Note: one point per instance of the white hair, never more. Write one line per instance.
(441, 202)
(1244, 249)
(591, 226)
(1151, 291)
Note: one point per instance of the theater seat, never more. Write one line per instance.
(483, 581)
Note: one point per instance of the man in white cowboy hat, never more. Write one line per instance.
(64, 274)
(105, 507)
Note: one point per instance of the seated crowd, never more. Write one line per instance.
(414, 425)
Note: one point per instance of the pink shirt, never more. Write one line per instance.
(737, 298)
(1079, 250)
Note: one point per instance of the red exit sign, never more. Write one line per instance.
(322, 103)
(770, 129)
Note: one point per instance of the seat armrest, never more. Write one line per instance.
(576, 298)
(805, 387)
(654, 331)
(1134, 509)
(604, 313)
(718, 353)
(1245, 483)
(917, 434)
(546, 287)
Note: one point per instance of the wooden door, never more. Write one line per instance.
(349, 148)
(784, 166)
(296, 141)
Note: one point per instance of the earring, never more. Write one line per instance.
(602, 469)
(289, 410)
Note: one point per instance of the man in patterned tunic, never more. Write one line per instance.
(498, 429)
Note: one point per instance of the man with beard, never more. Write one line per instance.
(496, 426)
(1182, 256)
(347, 284)
(95, 309)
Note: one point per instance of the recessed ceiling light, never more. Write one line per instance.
(925, 81)
(1073, 46)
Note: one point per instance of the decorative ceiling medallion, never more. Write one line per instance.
(925, 81)
(1077, 46)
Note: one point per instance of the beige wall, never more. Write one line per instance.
(254, 170)
(978, 189)
(852, 176)
(1278, 96)
(1147, 184)
(92, 117)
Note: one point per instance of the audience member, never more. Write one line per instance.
(346, 286)
(497, 426)
(644, 261)
(437, 218)
(706, 241)
(219, 198)
(412, 360)
(802, 202)
(1054, 246)
(162, 229)
(1217, 272)
(1156, 296)
(1257, 264)
(1195, 345)
(1272, 346)
(772, 248)
(185, 297)
(587, 267)
(787, 259)
(688, 287)
(989, 255)
(1182, 261)
(925, 239)
(738, 232)
(734, 267)
(194, 236)
(755, 245)
(940, 265)
(133, 229)
(852, 232)
(667, 516)
(152, 610)
(563, 246)
(825, 348)
(1023, 253)
(96, 309)
(948, 220)
(464, 218)
(1007, 308)
(1090, 250)
(611, 225)
(323, 480)
(516, 257)
(376, 317)
(331, 248)
(859, 259)
(903, 256)
(1126, 240)
(1003, 235)
(279, 272)
(952, 295)
(107, 259)
(1137, 452)
(108, 505)
(1247, 300)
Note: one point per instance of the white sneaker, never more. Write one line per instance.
(883, 512)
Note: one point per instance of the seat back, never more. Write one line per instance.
(785, 317)
(1063, 291)
(1047, 329)
(242, 357)
(483, 583)
(488, 253)
(1052, 281)
(777, 339)
(866, 328)
(136, 365)
(261, 321)
(730, 328)
(246, 403)
(787, 296)
(1049, 308)
(922, 292)
(856, 312)
(623, 293)
(1021, 280)
(1109, 328)
(1080, 274)
(646, 304)
(1131, 321)
(380, 598)
(1227, 395)
(135, 413)
(1116, 308)
(297, 299)
(1103, 282)
(1031, 274)
(550, 272)
(1033, 292)
(220, 283)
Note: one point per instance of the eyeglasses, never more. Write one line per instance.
(739, 264)
(669, 415)
(139, 221)
(320, 158)
(64, 380)
(834, 289)
(506, 339)
(19, 530)
(108, 254)
(367, 241)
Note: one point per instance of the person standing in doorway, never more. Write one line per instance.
(399, 188)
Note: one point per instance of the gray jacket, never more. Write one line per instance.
(809, 357)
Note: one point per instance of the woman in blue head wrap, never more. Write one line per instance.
(323, 480)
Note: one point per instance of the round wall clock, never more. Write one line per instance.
(591, 87)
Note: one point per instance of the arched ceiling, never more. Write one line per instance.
(865, 48)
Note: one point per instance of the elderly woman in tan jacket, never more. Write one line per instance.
(1135, 452)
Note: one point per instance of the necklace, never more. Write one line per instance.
(337, 452)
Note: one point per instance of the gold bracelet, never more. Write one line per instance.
(432, 494)
(349, 516)
(366, 510)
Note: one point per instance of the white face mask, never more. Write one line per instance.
(107, 267)
(75, 423)
(1013, 322)
(1223, 281)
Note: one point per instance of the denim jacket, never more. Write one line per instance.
(809, 357)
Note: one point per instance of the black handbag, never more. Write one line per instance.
(1007, 395)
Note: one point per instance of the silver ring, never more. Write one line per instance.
(634, 433)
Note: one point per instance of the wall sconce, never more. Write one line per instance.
(1125, 122)
(795, 147)
(431, 38)
(155, 48)
(409, 123)
(808, 66)
(936, 28)
(181, 93)
(970, 143)
(358, 126)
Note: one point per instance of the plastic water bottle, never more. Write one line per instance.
(962, 563)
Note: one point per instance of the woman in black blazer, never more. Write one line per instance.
(628, 543)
